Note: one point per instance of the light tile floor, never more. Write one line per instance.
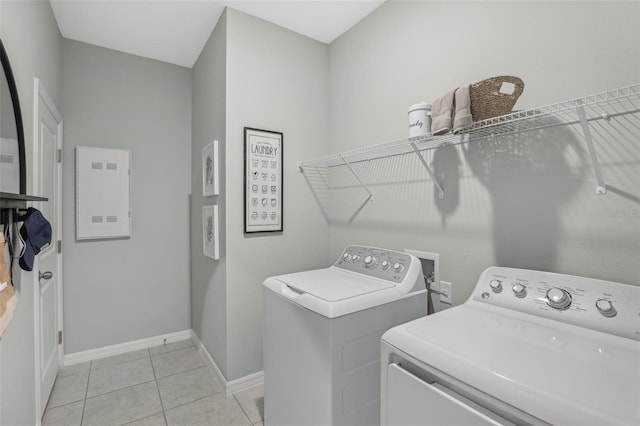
(167, 385)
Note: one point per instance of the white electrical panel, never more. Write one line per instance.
(102, 193)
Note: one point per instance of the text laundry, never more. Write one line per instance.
(264, 150)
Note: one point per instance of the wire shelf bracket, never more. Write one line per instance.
(362, 184)
(426, 166)
(601, 188)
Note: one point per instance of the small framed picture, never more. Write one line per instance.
(210, 232)
(262, 181)
(210, 170)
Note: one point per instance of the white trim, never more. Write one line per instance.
(120, 348)
(39, 92)
(209, 360)
(35, 175)
(61, 253)
(229, 387)
(233, 386)
(245, 382)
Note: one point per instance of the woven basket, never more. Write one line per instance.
(487, 101)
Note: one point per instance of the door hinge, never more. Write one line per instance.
(59, 156)
(59, 246)
(60, 337)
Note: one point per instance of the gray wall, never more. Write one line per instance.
(209, 277)
(30, 35)
(277, 80)
(527, 201)
(117, 291)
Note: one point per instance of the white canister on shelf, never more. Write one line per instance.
(419, 119)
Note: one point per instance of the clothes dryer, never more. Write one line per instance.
(527, 348)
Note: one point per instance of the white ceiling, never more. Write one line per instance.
(175, 31)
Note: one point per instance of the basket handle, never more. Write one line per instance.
(497, 83)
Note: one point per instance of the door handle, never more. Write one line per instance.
(46, 275)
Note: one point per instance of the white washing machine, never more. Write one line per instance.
(322, 332)
(527, 348)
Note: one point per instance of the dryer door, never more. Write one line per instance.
(414, 402)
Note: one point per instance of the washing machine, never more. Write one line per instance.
(527, 348)
(322, 332)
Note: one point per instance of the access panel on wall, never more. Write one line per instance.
(262, 181)
(102, 193)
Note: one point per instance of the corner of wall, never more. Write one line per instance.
(208, 276)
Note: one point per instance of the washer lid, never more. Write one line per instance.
(334, 292)
(333, 285)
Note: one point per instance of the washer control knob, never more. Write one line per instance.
(385, 264)
(346, 256)
(519, 290)
(355, 257)
(370, 261)
(496, 286)
(558, 298)
(397, 267)
(606, 308)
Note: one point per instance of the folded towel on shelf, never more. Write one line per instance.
(442, 113)
(462, 115)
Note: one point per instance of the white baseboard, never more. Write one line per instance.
(228, 387)
(92, 354)
(234, 385)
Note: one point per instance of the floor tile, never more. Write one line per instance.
(217, 410)
(122, 406)
(66, 415)
(70, 370)
(156, 420)
(121, 391)
(189, 386)
(119, 376)
(252, 402)
(67, 390)
(169, 347)
(177, 361)
(118, 359)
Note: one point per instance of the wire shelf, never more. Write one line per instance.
(600, 106)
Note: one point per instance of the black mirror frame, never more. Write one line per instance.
(17, 112)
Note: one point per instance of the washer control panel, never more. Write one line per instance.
(385, 264)
(595, 304)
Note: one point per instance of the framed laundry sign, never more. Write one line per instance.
(262, 181)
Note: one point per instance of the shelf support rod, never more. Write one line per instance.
(426, 166)
(346, 163)
(600, 186)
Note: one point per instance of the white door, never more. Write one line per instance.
(48, 268)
